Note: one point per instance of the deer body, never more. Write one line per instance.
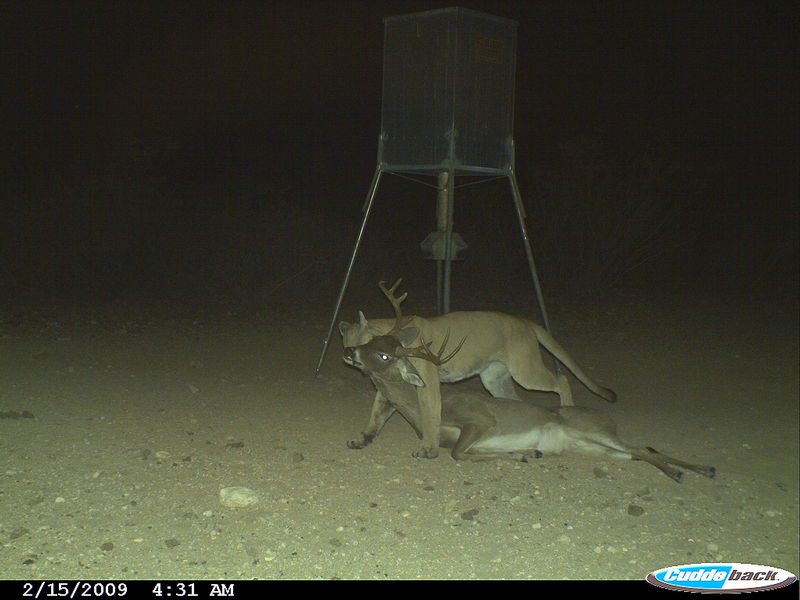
(501, 349)
(479, 427)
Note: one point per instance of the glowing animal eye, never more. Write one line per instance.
(383, 356)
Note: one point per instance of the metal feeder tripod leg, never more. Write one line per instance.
(512, 178)
(444, 224)
(448, 240)
(373, 188)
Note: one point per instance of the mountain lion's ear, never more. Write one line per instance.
(410, 374)
(407, 335)
(343, 327)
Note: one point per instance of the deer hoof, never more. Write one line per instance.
(528, 455)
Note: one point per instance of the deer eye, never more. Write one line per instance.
(383, 356)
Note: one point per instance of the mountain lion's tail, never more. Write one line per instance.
(554, 348)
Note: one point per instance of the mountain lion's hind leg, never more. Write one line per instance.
(531, 374)
(498, 381)
(563, 390)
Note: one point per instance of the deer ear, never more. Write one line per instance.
(407, 336)
(362, 320)
(343, 327)
(410, 374)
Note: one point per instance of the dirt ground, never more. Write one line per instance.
(120, 424)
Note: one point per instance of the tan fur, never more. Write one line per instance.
(478, 427)
(500, 348)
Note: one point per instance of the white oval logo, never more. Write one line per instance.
(721, 577)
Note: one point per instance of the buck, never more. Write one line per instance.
(500, 348)
(478, 427)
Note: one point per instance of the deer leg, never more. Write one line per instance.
(467, 438)
(381, 411)
(664, 463)
(668, 470)
(706, 470)
(472, 433)
(615, 448)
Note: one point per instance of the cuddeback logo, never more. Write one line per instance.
(724, 577)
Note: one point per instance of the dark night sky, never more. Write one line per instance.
(148, 112)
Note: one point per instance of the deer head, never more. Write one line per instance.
(394, 348)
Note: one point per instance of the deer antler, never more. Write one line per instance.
(399, 322)
(424, 351)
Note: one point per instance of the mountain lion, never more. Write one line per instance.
(500, 348)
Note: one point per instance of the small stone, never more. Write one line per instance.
(635, 510)
(107, 546)
(237, 497)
